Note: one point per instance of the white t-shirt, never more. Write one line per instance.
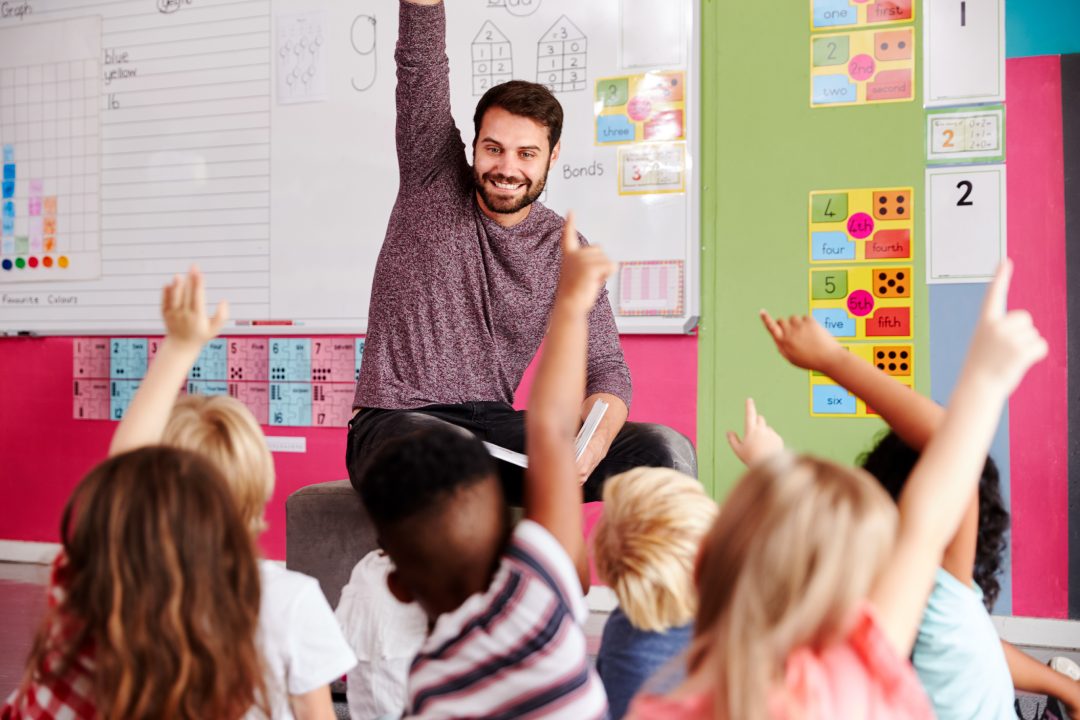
(299, 637)
(515, 650)
(385, 635)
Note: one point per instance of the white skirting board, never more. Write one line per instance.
(1039, 632)
(20, 551)
(601, 599)
(1030, 632)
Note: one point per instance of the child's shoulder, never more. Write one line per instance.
(862, 670)
(534, 577)
(537, 553)
(287, 592)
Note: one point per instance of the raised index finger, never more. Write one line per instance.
(771, 325)
(570, 241)
(998, 292)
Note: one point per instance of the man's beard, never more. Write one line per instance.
(508, 205)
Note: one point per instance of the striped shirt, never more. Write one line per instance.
(515, 651)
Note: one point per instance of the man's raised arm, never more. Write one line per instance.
(427, 139)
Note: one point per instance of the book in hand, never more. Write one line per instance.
(588, 428)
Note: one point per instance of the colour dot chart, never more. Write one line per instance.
(50, 139)
(861, 284)
(287, 381)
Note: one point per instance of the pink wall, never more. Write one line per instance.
(1039, 410)
(44, 452)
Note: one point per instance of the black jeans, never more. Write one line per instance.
(636, 445)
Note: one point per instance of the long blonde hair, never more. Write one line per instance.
(647, 541)
(223, 430)
(796, 547)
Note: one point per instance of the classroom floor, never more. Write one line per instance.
(22, 602)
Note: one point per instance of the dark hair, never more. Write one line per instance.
(159, 577)
(891, 461)
(416, 472)
(520, 97)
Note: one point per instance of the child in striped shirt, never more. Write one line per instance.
(505, 606)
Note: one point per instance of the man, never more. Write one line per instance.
(466, 277)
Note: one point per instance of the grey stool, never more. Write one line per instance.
(327, 531)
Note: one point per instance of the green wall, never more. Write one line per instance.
(763, 150)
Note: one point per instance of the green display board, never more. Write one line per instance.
(764, 149)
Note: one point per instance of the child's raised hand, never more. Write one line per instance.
(1005, 343)
(183, 308)
(759, 441)
(584, 271)
(802, 341)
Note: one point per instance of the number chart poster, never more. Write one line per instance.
(870, 297)
(636, 108)
(827, 399)
(294, 381)
(861, 225)
(862, 67)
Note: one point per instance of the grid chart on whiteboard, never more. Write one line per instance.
(50, 138)
(184, 98)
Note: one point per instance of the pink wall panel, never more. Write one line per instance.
(44, 452)
(1038, 412)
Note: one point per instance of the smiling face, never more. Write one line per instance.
(511, 159)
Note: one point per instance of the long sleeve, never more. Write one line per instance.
(428, 142)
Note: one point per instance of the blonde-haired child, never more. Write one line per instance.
(812, 585)
(226, 432)
(968, 672)
(300, 640)
(645, 546)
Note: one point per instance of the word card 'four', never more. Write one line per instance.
(830, 400)
(861, 225)
(211, 363)
(862, 67)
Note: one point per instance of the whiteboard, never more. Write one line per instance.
(206, 149)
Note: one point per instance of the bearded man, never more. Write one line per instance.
(466, 278)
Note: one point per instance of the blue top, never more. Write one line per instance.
(958, 655)
(628, 657)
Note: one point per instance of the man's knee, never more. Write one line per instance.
(669, 447)
(368, 436)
